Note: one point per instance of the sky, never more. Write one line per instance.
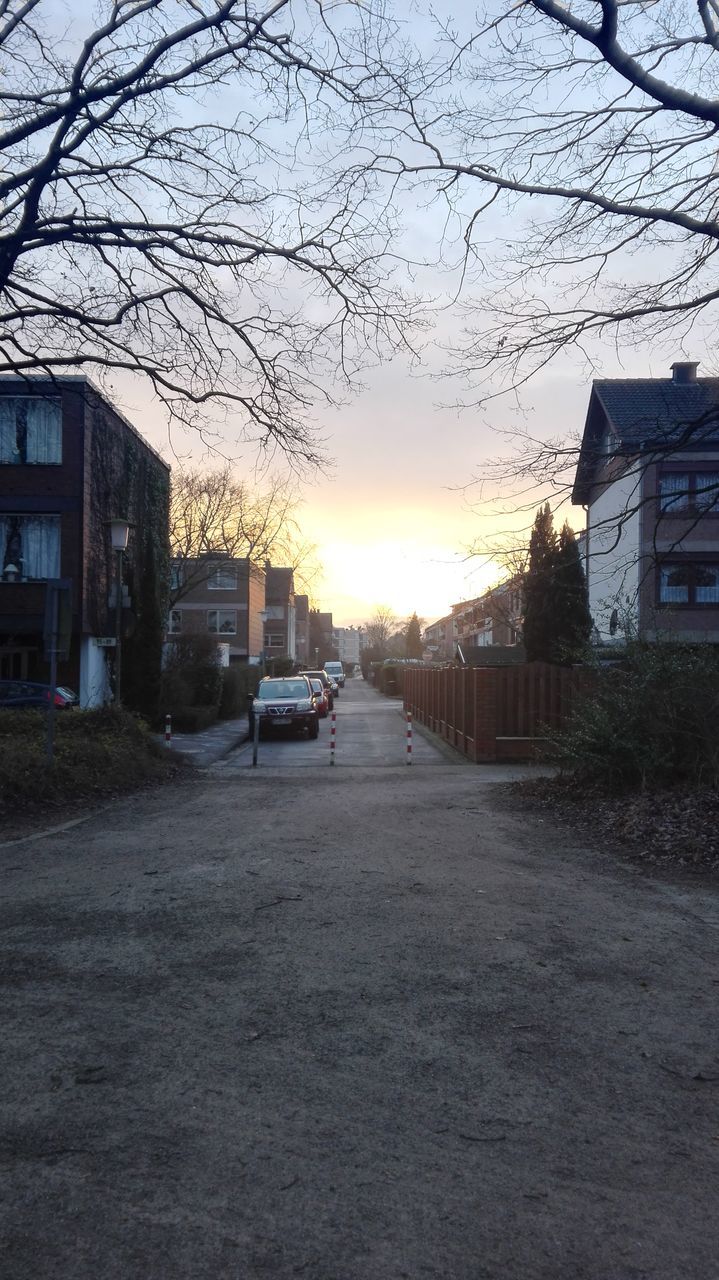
(405, 492)
(391, 514)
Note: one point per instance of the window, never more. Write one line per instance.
(175, 622)
(223, 578)
(689, 583)
(274, 641)
(29, 547)
(689, 491)
(222, 622)
(30, 430)
(175, 577)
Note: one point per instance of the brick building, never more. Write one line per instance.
(279, 613)
(221, 596)
(69, 463)
(302, 630)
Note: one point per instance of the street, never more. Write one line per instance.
(353, 1023)
(368, 732)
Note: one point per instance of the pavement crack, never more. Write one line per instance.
(276, 902)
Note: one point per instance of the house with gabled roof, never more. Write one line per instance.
(648, 478)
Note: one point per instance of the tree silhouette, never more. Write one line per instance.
(539, 622)
(557, 622)
(414, 647)
(571, 604)
(172, 206)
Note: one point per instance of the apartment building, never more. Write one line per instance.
(70, 463)
(648, 478)
(221, 596)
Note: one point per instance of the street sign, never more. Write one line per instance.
(105, 642)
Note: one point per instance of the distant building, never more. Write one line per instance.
(440, 639)
(279, 614)
(302, 629)
(493, 619)
(221, 596)
(322, 644)
(69, 463)
(348, 643)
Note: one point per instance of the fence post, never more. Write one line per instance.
(409, 737)
(168, 731)
(333, 730)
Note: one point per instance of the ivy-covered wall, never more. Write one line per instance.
(125, 478)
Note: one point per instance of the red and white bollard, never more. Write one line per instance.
(409, 737)
(333, 731)
(168, 731)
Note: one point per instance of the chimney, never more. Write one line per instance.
(684, 371)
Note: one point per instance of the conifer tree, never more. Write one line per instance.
(538, 596)
(413, 640)
(557, 621)
(571, 602)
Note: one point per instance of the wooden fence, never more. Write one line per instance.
(493, 713)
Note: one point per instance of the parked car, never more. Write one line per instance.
(322, 675)
(16, 694)
(321, 696)
(286, 702)
(337, 672)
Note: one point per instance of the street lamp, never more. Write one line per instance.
(119, 533)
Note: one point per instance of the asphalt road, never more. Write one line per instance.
(369, 730)
(352, 1023)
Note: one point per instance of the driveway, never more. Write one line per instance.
(353, 1023)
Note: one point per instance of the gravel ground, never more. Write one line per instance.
(353, 1025)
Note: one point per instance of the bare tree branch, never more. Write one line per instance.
(176, 204)
(214, 514)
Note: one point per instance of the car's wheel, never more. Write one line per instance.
(313, 729)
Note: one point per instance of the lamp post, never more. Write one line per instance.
(119, 532)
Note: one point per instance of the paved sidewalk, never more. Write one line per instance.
(211, 744)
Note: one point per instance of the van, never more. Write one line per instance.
(336, 670)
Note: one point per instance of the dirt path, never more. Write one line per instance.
(354, 1024)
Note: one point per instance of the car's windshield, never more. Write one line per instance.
(283, 689)
(317, 685)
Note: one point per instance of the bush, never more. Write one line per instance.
(192, 675)
(193, 719)
(97, 753)
(390, 679)
(651, 721)
(238, 683)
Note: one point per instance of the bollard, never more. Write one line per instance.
(333, 729)
(409, 737)
(168, 731)
(255, 740)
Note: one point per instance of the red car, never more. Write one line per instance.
(321, 699)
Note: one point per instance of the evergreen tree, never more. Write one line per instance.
(557, 622)
(571, 607)
(538, 595)
(413, 639)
